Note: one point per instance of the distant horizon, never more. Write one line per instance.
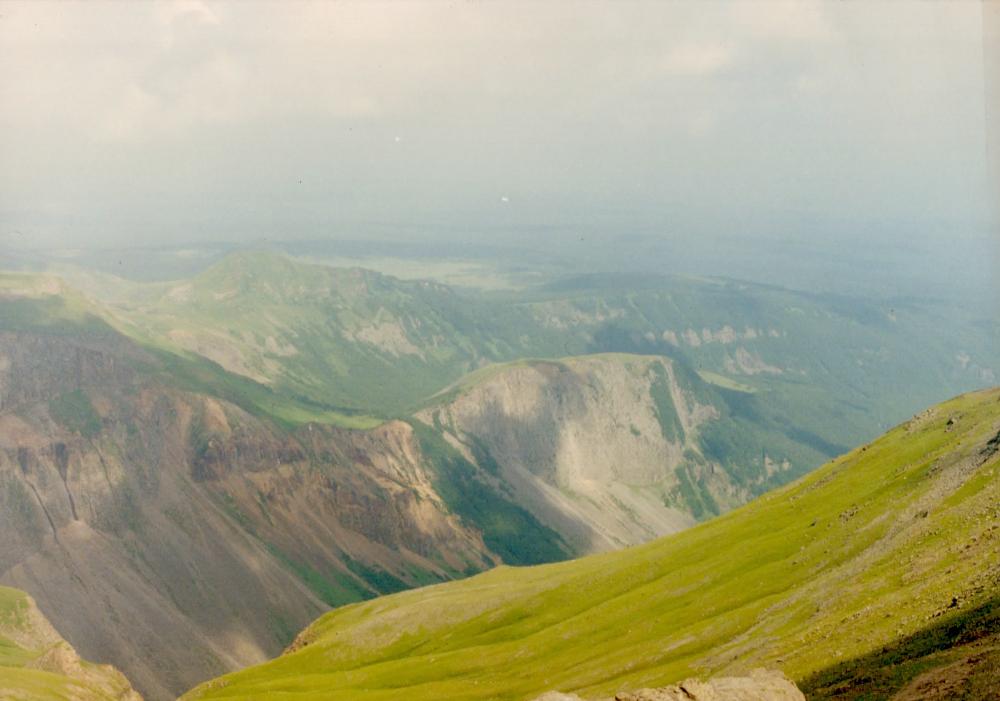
(817, 145)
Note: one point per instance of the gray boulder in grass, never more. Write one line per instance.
(759, 685)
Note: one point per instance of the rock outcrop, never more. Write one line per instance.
(759, 685)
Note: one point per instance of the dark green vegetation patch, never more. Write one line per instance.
(335, 590)
(666, 413)
(508, 530)
(74, 410)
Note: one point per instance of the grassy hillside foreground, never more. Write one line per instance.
(848, 575)
(35, 663)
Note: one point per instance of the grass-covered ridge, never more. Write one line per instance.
(875, 546)
(35, 664)
(41, 305)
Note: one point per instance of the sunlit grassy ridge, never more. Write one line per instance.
(869, 548)
(25, 676)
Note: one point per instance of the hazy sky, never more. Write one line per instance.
(188, 120)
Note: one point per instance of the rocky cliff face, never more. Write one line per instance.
(605, 449)
(149, 521)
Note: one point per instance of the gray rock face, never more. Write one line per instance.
(597, 447)
(760, 685)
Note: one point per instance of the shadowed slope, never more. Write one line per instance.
(958, 657)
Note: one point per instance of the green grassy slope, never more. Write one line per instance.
(349, 337)
(44, 305)
(36, 666)
(877, 545)
(849, 367)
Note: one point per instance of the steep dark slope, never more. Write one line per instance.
(957, 657)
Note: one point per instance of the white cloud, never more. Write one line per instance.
(697, 59)
(573, 103)
(170, 12)
(783, 20)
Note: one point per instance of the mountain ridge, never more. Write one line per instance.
(819, 356)
(117, 486)
(110, 467)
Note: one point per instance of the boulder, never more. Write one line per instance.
(760, 685)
